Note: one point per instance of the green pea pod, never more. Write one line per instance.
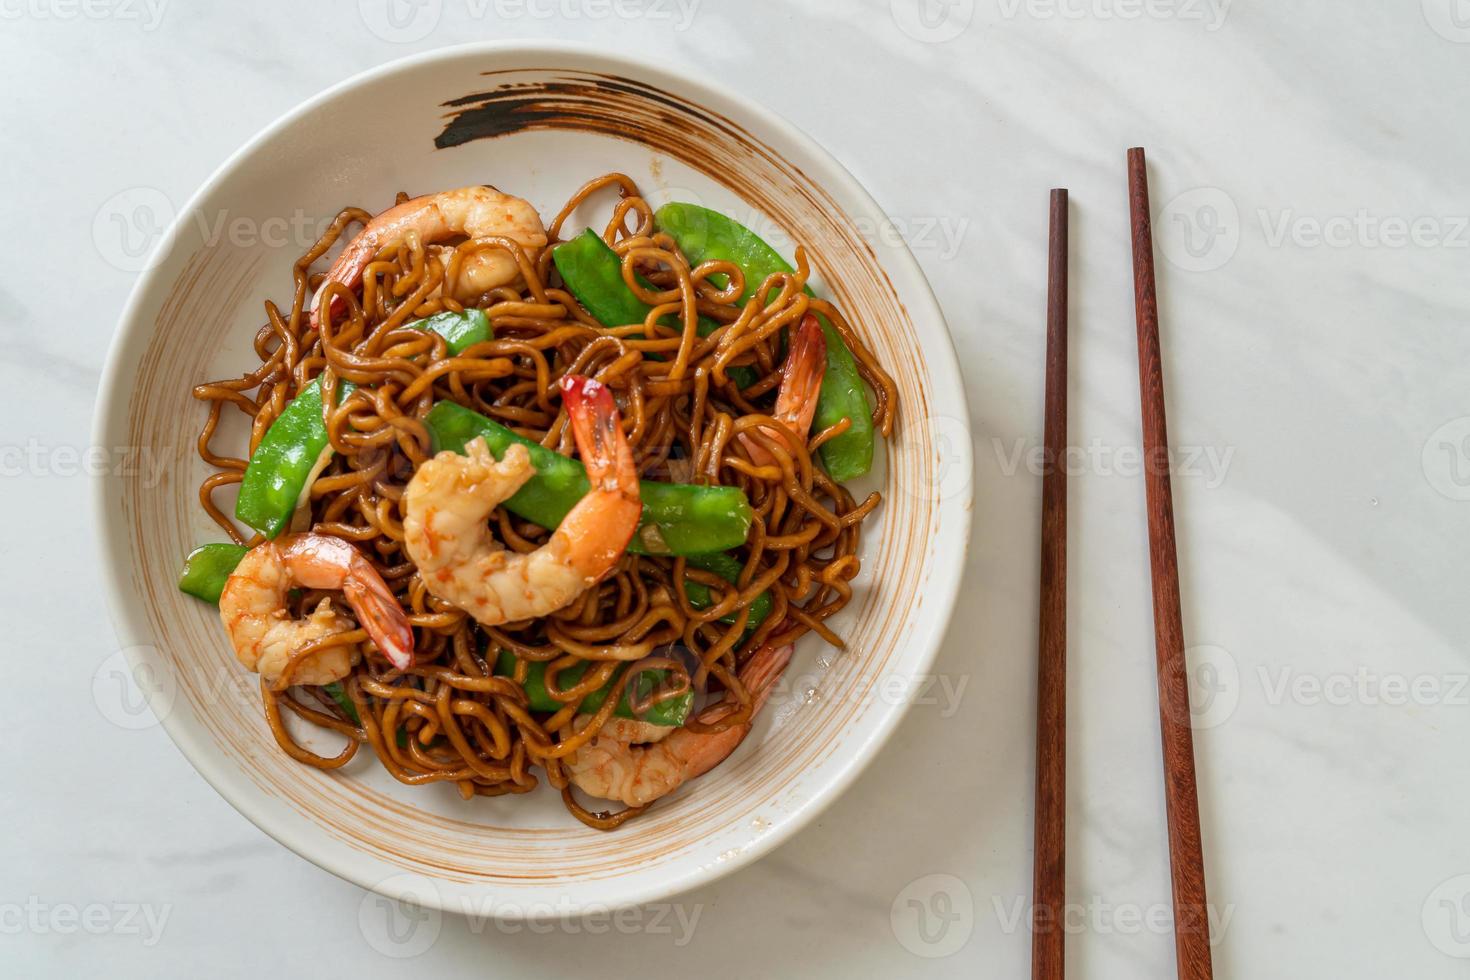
(702, 235)
(336, 693)
(669, 712)
(594, 274)
(678, 518)
(294, 447)
(207, 568)
(729, 569)
(460, 330)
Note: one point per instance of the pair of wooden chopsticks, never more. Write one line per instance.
(1186, 859)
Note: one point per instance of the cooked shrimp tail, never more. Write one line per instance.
(796, 401)
(806, 365)
(380, 614)
(320, 561)
(763, 671)
(636, 775)
(598, 432)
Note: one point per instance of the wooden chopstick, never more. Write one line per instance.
(1186, 858)
(1049, 876)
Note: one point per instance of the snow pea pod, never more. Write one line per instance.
(728, 568)
(207, 568)
(294, 448)
(678, 518)
(703, 235)
(594, 274)
(459, 330)
(669, 712)
(338, 693)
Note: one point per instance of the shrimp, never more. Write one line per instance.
(628, 730)
(473, 212)
(450, 498)
(253, 608)
(636, 775)
(796, 402)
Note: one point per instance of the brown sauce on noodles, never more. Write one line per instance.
(449, 718)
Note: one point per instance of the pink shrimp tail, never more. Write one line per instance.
(320, 561)
(796, 402)
(347, 270)
(759, 675)
(763, 670)
(337, 306)
(806, 364)
(384, 619)
(597, 428)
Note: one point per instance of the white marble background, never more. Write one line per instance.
(1309, 166)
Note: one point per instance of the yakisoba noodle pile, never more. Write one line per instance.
(450, 717)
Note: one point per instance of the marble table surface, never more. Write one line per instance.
(1308, 167)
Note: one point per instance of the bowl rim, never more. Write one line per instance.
(946, 569)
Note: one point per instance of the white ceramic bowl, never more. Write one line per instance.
(562, 115)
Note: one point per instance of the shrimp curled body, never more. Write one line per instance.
(636, 775)
(467, 212)
(450, 499)
(253, 607)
